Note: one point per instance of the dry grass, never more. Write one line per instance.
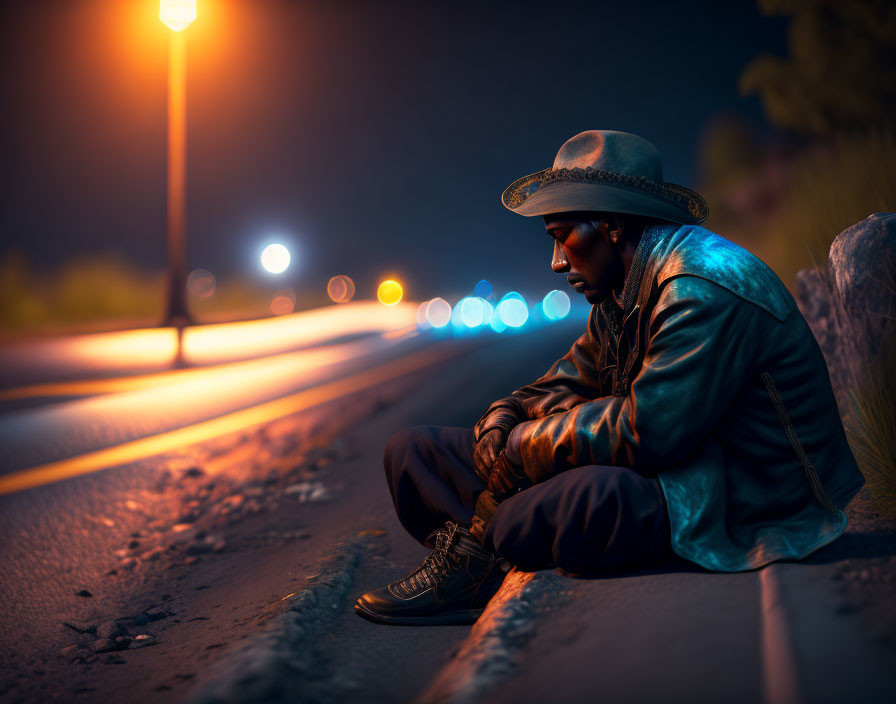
(871, 426)
(853, 178)
(81, 291)
(831, 186)
(834, 186)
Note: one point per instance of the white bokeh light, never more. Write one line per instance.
(275, 258)
(438, 312)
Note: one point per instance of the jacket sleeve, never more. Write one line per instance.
(703, 344)
(571, 380)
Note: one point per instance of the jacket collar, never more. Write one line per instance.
(612, 314)
(649, 239)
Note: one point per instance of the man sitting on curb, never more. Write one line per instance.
(694, 415)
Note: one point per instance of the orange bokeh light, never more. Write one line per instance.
(341, 289)
(389, 292)
(284, 302)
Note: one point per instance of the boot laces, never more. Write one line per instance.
(437, 565)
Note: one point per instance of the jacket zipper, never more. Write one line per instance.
(811, 473)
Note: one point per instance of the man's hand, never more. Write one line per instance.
(486, 451)
(506, 478)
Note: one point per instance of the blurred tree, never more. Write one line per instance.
(20, 304)
(841, 74)
(729, 150)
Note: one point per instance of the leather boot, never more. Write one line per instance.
(452, 586)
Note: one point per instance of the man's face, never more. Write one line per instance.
(583, 252)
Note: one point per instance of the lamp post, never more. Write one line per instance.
(177, 15)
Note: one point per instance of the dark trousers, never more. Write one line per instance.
(584, 520)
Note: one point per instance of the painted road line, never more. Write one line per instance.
(780, 682)
(232, 422)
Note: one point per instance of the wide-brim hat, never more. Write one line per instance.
(602, 170)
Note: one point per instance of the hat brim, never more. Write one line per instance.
(543, 193)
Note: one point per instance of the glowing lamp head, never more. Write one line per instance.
(275, 258)
(177, 15)
(389, 293)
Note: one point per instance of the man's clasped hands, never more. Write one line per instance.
(498, 463)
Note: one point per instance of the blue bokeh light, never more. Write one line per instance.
(472, 312)
(556, 305)
(488, 312)
(483, 289)
(497, 324)
(513, 310)
(457, 322)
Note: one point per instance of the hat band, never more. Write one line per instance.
(523, 189)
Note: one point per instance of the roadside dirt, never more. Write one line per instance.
(865, 578)
(194, 550)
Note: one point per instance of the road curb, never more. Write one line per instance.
(487, 655)
(277, 664)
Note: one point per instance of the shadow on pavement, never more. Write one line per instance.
(669, 565)
(855, 545)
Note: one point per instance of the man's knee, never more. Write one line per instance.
(402, 444)
(584, 519)
(617, 518)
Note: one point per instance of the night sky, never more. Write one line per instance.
(374, 138)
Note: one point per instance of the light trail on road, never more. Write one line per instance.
(135, 351)
(232, 422)
(93, 387)
(165, 402)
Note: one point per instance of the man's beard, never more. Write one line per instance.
(613, 281)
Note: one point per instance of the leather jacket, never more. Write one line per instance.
(708, 378)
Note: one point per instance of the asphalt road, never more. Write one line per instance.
(233, 520)
(199, 549)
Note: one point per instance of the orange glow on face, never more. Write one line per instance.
(177, 15)
(341, 289)
(389, 292)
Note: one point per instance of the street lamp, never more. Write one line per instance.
(177, 15)
(275, 259)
